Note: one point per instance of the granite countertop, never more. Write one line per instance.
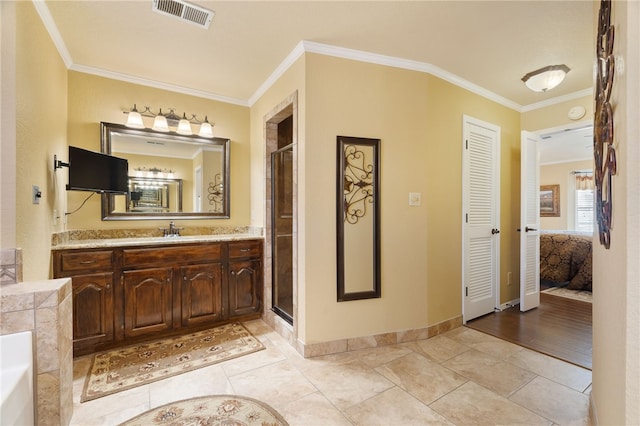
(121, 238)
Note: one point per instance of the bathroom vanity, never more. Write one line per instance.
(129, 291)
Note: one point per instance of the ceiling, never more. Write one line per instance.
(486, 46)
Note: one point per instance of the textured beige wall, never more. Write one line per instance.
(616, 272)
(41, 132)
(7, 125)
(419, 120)
(93, 99)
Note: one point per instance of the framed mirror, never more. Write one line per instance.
(358, 218)
(170, 175)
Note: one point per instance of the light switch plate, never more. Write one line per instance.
(415, 198)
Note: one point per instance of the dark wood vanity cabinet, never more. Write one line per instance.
(92, 294)
(148, 301)
(245, 277)
(130, 294)
(201, 294)
(93, 309)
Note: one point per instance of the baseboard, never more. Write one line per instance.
(357, 343)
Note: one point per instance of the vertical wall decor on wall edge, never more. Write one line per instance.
(603, 141)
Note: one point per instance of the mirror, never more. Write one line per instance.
(358, 218)
(170, 175)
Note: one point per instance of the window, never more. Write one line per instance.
(584, 211)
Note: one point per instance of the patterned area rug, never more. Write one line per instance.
(216, 410)
(584, 296)
(126, 368)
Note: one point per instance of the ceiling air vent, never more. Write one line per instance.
(184, 11)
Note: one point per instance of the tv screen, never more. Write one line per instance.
(96, 172)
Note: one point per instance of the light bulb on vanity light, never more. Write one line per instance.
(184, 127)
(160, 123)
(206, 129)
(134, 119)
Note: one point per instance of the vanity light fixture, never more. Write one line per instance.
(545, 78)
(153, 172)
(163, 122)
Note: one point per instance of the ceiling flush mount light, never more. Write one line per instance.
(546, 78)
(165, 122)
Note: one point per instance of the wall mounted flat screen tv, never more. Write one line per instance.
(96, 172)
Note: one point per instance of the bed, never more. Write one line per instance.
(565, 260)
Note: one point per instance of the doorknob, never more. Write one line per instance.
(495, 231)
(527, 229)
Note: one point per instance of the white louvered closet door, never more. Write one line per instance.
(481, 217)
(529, 222)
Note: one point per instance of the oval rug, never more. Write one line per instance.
(214, 410)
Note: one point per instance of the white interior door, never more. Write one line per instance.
(481, 218)
(529, 222)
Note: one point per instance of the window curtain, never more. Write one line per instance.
(584, 180)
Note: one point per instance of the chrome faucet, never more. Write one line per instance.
(173, 231)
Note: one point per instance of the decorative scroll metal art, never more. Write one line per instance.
(358, 218)
(357, 183)
(603, 142)
(216, 194)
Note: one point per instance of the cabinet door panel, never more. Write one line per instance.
(92, 309)
(148, 296)
(201, 294)
(244, 287)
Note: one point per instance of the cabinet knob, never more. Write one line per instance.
(233, 272)
(108, 286)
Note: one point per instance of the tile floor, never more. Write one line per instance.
(462, 377)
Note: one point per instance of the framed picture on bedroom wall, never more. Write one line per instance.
(550, 200)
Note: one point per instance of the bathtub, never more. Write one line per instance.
(16, 379)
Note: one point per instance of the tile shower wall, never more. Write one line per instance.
(10, 266)
(45, 309)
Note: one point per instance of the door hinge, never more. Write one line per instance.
(466, 144)
(466, 217)
(466, 291)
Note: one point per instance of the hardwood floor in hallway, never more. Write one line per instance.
(559, 327)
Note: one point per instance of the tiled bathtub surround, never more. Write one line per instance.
(67, 237)
(45, 309)
(10, 266)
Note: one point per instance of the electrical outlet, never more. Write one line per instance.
(508, 278)
(415, 198)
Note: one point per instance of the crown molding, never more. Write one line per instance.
(156, 84)
(302, 47)
(358, 55)
(559, 99)
(293, 56)
(52, 29)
